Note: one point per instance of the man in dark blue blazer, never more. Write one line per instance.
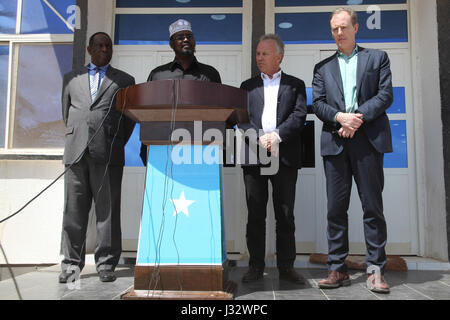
(277, 112)
(351, 91)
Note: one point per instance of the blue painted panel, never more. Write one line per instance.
(8, 16)
(399, 103)
(177, 3)
(291, 27)
(154, 28)
(4, 61)
(296, 3)
(399, 158)
(133, 148)
(175, 234)
(38, 17)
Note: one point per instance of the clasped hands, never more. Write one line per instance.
(350, 123)
(270, 142)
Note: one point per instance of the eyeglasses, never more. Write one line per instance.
(180, 37)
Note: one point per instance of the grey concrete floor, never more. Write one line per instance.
(41, 283)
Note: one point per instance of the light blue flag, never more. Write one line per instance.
(182, 221)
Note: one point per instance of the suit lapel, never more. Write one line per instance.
(84, 85)
(363, 58)
(260, 87)
(283, 85)
(336, 73)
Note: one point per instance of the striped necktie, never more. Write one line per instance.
(94, 82)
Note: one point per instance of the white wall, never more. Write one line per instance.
(32, 236)
(428, 130)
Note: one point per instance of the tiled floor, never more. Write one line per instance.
(42, 284)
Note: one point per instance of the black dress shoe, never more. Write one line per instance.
(64, 277)
(106, 276)
(292, 276)
(253, 274)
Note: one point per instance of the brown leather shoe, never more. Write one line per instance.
(376, 283)
(335, 280)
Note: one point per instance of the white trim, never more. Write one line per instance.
(33, 151)
(299, 9)
(246, 47)
(18, 16)
(270, 16)
(37, 38)
(8, 96)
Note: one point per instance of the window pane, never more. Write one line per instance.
(177, 3)
(154, 28)
(399, 104)
(4, 59)
(292, 26)
(398, 158)
(38, 116)
(294, 3)
(8, 9)
(39, 17)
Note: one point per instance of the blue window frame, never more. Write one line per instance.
(177, 3)
(4, 60)
(314, 27)
(296, 3)
(144, 29)
(38, 17)
(8, 9)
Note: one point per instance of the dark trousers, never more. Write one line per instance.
(84, 182)
(283, 186)
(360, 160)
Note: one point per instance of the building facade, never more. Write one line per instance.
(40, 40)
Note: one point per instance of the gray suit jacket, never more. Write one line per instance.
(83, 117)
(374, 94)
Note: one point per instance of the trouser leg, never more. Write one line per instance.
(283, 194)
(339, 183)
(367, 166)
(106, 183)
(256, 196)
(77, 204)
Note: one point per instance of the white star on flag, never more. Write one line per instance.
(181, 204)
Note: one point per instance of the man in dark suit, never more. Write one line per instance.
(96, 134)
(184, 66)
(277, 110)
(351, 92)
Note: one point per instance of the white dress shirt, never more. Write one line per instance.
(269, 115)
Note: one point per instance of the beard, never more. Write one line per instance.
(188, 51)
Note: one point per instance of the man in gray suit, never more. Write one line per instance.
(96, 134)
(351, 92)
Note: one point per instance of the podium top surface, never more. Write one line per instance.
(181, 100)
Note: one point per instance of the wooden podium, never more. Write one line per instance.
(181, 249)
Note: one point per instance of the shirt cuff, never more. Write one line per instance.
(335, 117)
(278, 136)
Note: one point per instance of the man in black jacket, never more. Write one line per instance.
(277, 111)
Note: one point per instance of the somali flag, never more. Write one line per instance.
(182, 221)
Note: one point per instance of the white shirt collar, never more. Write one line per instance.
(265, 77)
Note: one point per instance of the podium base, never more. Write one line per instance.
(227, 294)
